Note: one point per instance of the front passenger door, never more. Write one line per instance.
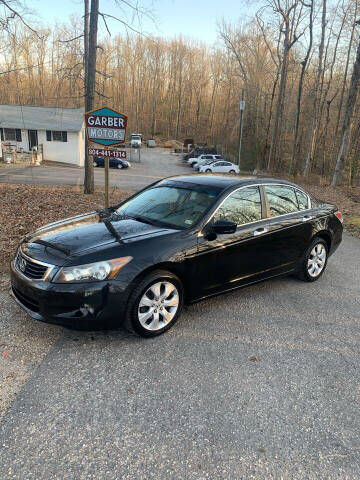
(235, 259)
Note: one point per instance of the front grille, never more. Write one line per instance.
(27, 301)
(30, 269)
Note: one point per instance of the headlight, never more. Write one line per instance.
(91, 272)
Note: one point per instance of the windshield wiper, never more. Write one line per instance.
(51, 245)
(149, 221)
(112, 230)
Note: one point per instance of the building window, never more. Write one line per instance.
(12, 134)
(56, 136)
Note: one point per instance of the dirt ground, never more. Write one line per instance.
(26, 207)
(347, 199)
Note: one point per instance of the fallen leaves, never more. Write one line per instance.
(26, 207)
(254, 358)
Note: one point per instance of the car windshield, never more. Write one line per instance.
(170, 205)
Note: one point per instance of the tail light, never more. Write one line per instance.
(339, 216)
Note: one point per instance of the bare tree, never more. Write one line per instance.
(288, 24)
(348, 117)
(316, 107)
(301, 83)
(90, 87)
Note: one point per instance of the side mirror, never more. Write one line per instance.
(224, 227)
(220, 227)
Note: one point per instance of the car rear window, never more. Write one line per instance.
(282, 199)
(302, 200)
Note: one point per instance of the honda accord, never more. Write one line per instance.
(178, 241)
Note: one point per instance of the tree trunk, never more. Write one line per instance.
(280, 101)
(346, 70)
(90, 88)
(300, 88)
(346, 129)
(315, 120)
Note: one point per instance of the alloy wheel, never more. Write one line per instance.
(316, 261)
(158, 305)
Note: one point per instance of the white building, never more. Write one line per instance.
(60, 131)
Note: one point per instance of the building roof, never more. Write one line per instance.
(41, 118)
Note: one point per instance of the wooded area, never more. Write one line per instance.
(295, 61)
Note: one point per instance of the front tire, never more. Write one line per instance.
(208, 170)
(119, 166)
(314, 261)
(155, 304)
(95, 164)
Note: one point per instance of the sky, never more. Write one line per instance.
(191, 18)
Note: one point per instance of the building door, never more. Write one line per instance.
(33, 138)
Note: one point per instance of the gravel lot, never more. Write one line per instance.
(259, 383)
(156, 163)
(23, 345)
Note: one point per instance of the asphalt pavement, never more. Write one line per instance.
(155, 163)
(261, 383)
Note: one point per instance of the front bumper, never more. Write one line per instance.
(77, 305)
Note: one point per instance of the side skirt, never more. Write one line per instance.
(226, 290)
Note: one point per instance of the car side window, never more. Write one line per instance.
(240, 207)
(217, 164)
(302, 200)
(282, 199)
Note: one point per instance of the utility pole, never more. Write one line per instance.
(90, 71)
(242, 107)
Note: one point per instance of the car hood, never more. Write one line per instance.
(81, 234)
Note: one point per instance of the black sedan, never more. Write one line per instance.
(177, 241)
(113, 162)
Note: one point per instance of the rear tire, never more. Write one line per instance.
(314, 262)
(155, 304)
(95, 164)
(232, 171)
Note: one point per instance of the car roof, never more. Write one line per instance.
(225, 182)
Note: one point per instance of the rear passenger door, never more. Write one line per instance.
(289, 224)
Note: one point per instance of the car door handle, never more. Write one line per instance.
(306, 218)
(260, 231)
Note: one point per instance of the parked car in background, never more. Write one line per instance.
(151, 143)
(177, 241)
(113, 162)
(135, 140)
(206, 160)
(219, 167)
(204, 156)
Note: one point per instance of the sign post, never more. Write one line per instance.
(242, 108)
(106, 127)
